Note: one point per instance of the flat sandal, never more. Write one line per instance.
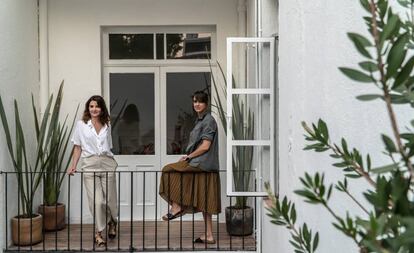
(99, 240)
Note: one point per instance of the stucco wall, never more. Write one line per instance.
(313, 43)
(75, 38)
(18, 79)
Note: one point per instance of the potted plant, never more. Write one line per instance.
(27, 226)
(239, 217)
(54, 171)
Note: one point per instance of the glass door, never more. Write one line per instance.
(177, 115)
(151, 117)
(133, 100)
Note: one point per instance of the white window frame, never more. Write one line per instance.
(106, 30)
(249, 91)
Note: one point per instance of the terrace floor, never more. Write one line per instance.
(145, 236)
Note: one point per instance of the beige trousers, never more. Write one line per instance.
(102, 168)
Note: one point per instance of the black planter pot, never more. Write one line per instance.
(239, 221)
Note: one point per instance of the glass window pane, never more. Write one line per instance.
(251, 117)
(189, 46)
(175, 45)
(180, 114)
(132, 113)
(131, 46)
(160, 46)
(250, 168)
(245, 57)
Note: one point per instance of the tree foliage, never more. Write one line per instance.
(387, 61)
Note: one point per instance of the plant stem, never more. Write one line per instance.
(357, 167)
(356, 201)
(385, 89)
(296, 233)
(339, 219)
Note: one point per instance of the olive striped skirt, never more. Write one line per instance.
(190, 187)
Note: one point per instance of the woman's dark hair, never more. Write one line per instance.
(104, 117)
(131, 113)
(200, 96)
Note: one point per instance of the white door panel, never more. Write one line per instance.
(173, 119)
(140, 87)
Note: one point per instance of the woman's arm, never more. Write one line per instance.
(201, 149)
(75, 158)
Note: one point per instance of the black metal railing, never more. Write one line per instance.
(141, 231)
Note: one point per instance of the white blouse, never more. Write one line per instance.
(90, 141)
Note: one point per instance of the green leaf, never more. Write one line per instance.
(324, 129)
(385, 169)
(365, 4)
(382, 6)
(398, 99)
(390, 27)
(315, 241)
(389, 144)
(404, 74)
(356, 75)
(368, 97)
(368, 66)
(360, 43)
(404, 3)
(353, 175)
(396, 55)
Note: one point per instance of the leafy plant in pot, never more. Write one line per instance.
(27, 226)
(54, 171)
(239, 217)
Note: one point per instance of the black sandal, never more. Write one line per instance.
(199, 240)
(112, 230)
(170, 216)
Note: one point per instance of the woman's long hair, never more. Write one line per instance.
(104, 117)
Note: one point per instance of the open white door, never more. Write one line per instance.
(250, 116)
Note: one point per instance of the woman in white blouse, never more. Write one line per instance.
(92, 143)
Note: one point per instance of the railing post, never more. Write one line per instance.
(56, 180)
(94, 208)
(6, 223)
(68, 212)
(168, 210)
(131, 245)
(81, 218)
(119, 210)
(143, 212)
(181, 206)
(106, 209)
(156, 211)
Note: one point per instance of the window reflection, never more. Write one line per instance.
(189, 46)
(180, 114)
(178, 46)
(132, 113)
(131, 46)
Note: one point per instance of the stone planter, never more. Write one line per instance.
(26, 231)
(53, 216)
(239, 221)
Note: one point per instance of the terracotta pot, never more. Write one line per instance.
(239, 221)
(50, 221)
(22, 228)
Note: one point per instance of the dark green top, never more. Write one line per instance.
(205, 129)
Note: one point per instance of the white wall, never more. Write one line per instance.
(75, 38)
(313, 43)
(18, 79)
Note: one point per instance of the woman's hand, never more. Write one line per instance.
(75, 158)
(184, 158)
(71, 170)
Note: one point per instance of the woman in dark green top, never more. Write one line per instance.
(192, 184)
